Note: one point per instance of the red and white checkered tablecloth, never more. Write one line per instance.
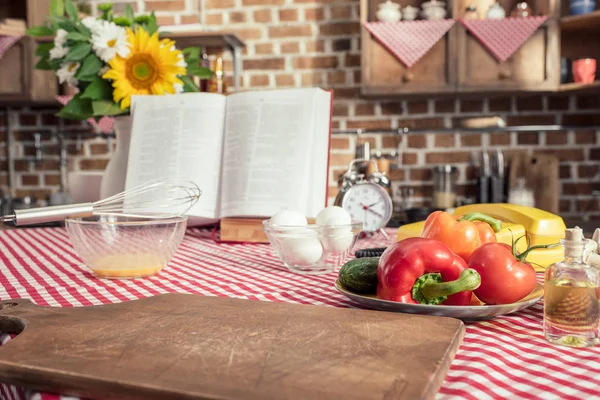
(506, 357)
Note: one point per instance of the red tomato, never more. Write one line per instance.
(504, 278)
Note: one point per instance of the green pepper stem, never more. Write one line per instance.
(496, 224)
(523, 256)
(468, 279)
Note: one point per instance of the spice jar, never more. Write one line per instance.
(471, 12)
(496, 12)
(521, 10)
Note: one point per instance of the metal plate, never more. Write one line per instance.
(466, 313)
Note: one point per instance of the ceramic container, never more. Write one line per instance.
(580, 7)
(389, 12)
(584, 70)
(565, 70)
(433, 10)
(471, 12)
(496, 12)
(410, 13)
(521, 10)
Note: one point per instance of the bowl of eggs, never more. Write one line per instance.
(312, 249)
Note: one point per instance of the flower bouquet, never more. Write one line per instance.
(111, 58)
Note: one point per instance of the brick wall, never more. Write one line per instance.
(299, 43)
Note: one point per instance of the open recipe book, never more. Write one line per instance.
(252, 153)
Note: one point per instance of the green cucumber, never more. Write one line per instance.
(360, 275)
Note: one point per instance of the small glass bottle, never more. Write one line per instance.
(571, 311)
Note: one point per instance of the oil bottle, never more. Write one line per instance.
(571, 311)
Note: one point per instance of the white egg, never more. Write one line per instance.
(288, 218)
(302, 251)
(336, 240)
(333, 213)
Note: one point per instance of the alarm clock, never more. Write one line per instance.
(365, 198)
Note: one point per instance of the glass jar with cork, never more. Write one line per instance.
(571, 310)
(444, 186)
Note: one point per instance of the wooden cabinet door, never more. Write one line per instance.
(383, 74)
(534, 66)
(15, 71)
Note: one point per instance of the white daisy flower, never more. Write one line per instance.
(60, 38)
(178, 88)
(66, 73)
(181, 62)
(91, 23)
(108, 40)
(58, 52)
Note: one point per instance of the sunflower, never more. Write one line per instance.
(152, 67)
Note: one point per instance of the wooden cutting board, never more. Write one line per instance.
(179, 346)
(541, 174)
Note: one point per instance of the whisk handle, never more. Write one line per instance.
(42, 215)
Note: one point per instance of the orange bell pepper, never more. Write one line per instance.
(462, 235)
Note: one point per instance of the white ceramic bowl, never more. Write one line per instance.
(312, 249)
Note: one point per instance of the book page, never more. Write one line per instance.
(269, 151)
(179, 137)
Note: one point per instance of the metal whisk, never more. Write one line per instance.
(157, 199)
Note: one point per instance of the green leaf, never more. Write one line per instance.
(43, 49)
(78, 37)
(77, 108)
(89, 68)
(66, 24)
(103, 107)
(78, 52)
(71, 8)
(200, 72)
(38, 31)
(129, 13)
(83, 29)
(98, 89)
(152, 25)
(44, 64)
(192, 55)
(57, 8)
(189, 85)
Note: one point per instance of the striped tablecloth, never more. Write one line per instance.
(506, 357)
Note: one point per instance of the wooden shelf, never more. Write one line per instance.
(579, 87)
(205, 38)
(581, 23)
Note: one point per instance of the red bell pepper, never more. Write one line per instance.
(419, 270)
(505, 276)
(462, 236)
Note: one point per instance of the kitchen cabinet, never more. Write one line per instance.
(533, 67)
(459, 62)
(383, 74)
(19, 81)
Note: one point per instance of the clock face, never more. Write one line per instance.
(369, 204)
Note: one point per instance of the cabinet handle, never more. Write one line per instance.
(505, 75)
(408, 76)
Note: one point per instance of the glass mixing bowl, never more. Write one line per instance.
(118, 246)
(312, 249)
